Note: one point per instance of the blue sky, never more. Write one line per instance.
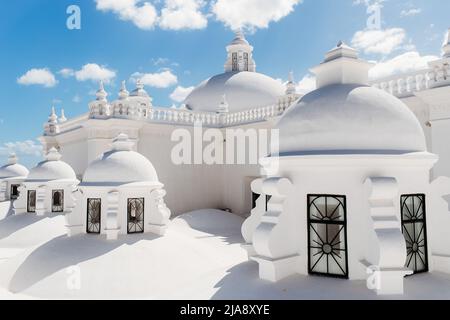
(179, 43)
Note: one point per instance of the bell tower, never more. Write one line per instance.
(240, 55)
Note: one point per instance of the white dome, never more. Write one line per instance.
(52, 169)
(120, 166)
(244, 90)
(13, 171)
(350, 118)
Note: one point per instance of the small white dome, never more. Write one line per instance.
(52, 169)
(350, 118)
(13, 169)
(120, 166)
(244, 90)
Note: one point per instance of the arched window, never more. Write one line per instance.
(94, 208)
(135, 211)
(58, 201)
(327, 233)
(31, 201)
(235, 61)
(14, 191)
(415, 231)
(245, 61)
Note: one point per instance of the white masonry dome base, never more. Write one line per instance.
(52, 169)
(120, 194)
(13, 169)
(120, 166)
(243, 90)
(350, 118)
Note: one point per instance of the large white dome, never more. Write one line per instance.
(52, 169)
(243, 90)
(350, 118)
(120, 166)
(13, 169)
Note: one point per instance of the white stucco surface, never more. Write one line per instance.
(13, 170)
(349, 117)
(243, 90)
(207, 242)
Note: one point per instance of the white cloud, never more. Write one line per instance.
(252, 14)
(143, 16)
(164, 79)
(410, 12)
(160, 61)
(404, 63)
(306, 85)
(180, 93)
(94, 72)
(379, 41)
(183, 14)
(22, 148)
(194, 14)
(76, 99)
(66, 72)
(43, 77)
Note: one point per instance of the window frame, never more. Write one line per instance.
(55, 209)
(310, 199)
(414, 222)
(138, 223)
(88, 230)
(31, 209)
(16, 196)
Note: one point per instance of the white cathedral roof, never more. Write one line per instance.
(52, 169)
(121, 165)
(346, 115)
(244, 90)
(241, 84)
(13, 169)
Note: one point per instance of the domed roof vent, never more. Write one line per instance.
(243, 90)
(119, 166)
(52, 169)
(13, 169)
(346, 115)
(139, 91)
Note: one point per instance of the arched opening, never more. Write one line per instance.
(327, 233)
(57, 200)
(31, 201)
(14, 191)
(135, 214)
(94, 207)
(414, 229)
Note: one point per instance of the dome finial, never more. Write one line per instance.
(139, 84)
(239, 33)
(291, 76)
(446, 46)
(12, 159)
(101, 93)
(63, 117)
(223, 107)
(123, 94)
(290, 86)
(53, 155)
(53, 118)
(122, 143)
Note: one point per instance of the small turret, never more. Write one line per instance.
(240, 55)
(223, 107)
(52, 127)
(100, 107)
(123, 94)
(290, 86)
(62, 118)
(446, 46)
(101, 93)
